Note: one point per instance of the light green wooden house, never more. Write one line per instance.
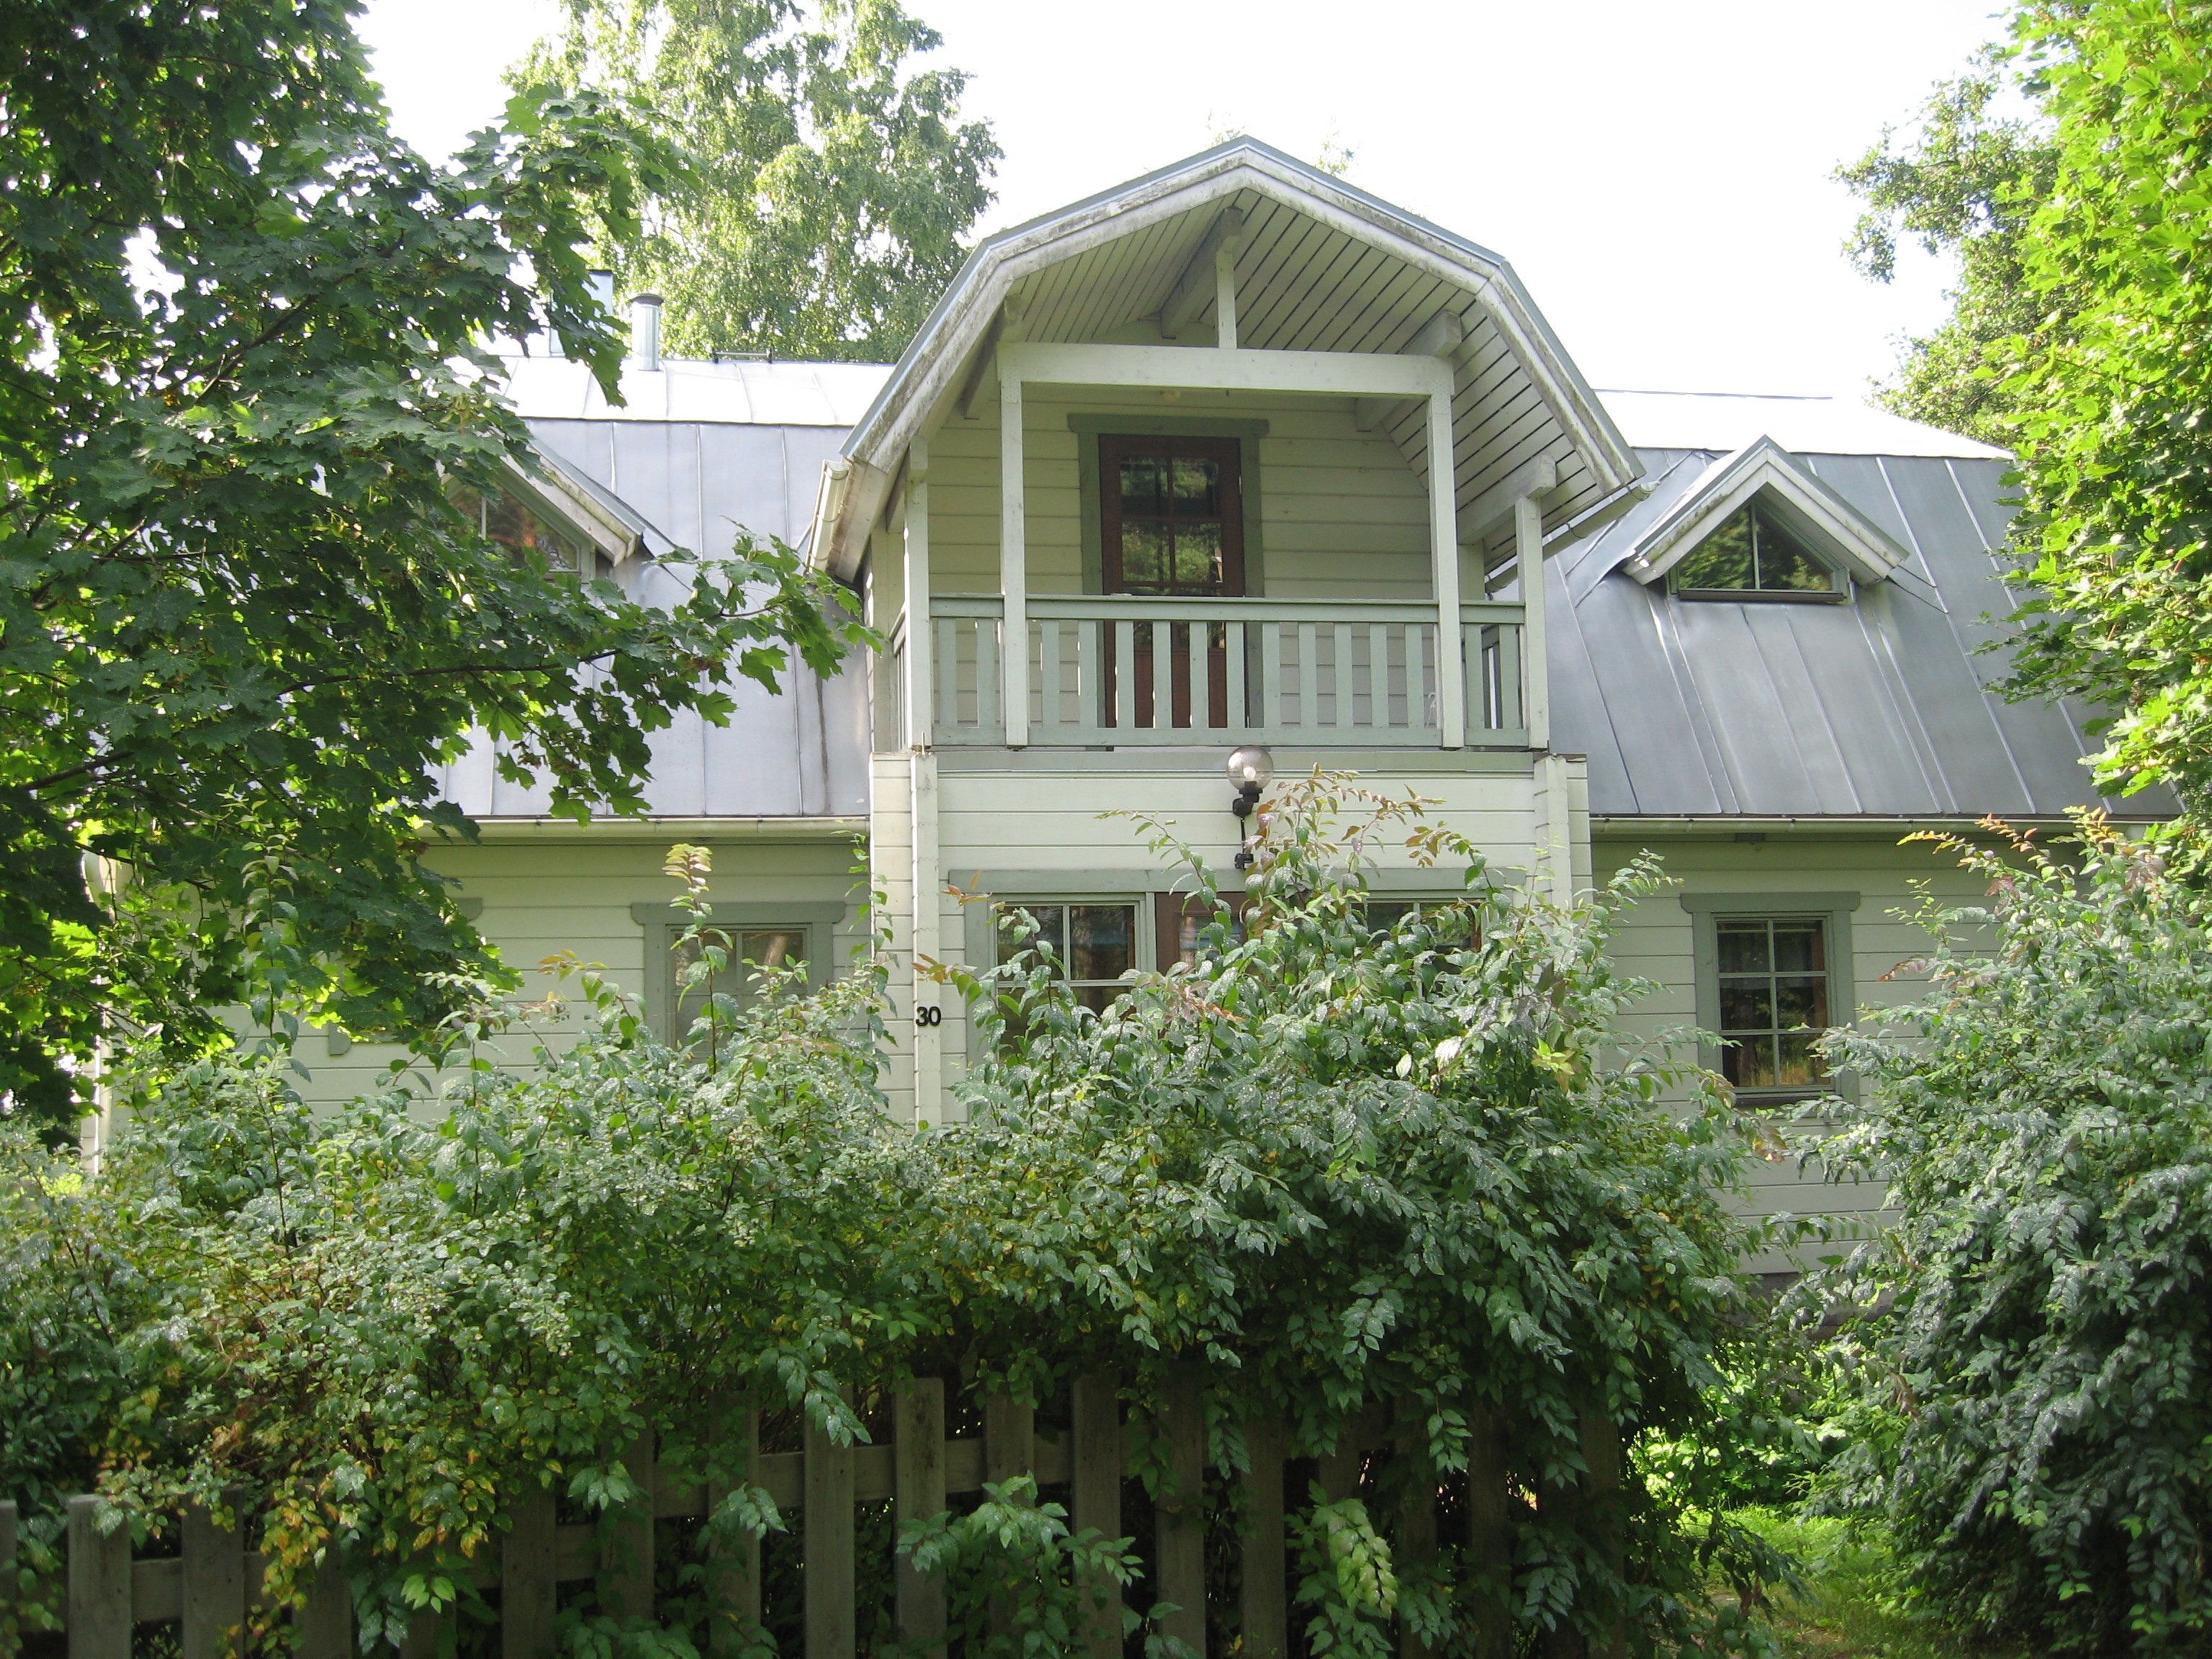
(1239, 456)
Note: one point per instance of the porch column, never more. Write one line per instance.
(1529, 559)
(1443, 553)
(1013, 562)
(921, 776)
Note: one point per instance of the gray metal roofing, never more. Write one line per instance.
(800, 754)
(1879, 708)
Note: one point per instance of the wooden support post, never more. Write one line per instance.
(1224, 293)
(215, 1585)
(918, 1486)
(1267, 1592)
(1009, 1437)
(1014, 564)
(626, 1566)
(1417, 1518)
(99, 1585)
(1179, 1523)
(1489, 1532)
(1444, 561)
(526, 1579)
(1528, 558)
(831, 1625)
(1096, 1476)
(326, 1622)
(733, 1575)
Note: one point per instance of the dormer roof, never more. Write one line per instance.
(1321, 266)
(1763, 470)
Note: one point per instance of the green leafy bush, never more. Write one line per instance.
(1345, 1162)
(2033, 1411)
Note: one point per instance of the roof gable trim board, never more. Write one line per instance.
(1763, 468)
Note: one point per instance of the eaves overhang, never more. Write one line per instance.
(967, 317)
(1763, 468)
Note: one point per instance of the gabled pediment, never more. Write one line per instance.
(1319, 267)
(1765, 473)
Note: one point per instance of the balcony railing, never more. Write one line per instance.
(1117, 670)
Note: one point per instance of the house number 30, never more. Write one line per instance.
(929, 1016)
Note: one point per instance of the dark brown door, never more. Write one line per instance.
(1174, 527)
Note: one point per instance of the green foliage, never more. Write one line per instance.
(1333, 1165)
(2116, 509)
(1345, 1576)
(1017, 1583)
(834, 183)
(242, 622)
(2031, 1420)
(1968, 183)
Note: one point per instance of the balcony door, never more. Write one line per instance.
(1174, 528)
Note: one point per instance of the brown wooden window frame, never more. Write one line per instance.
(1227, 453)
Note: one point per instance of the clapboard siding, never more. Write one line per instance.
(1656, 940)
(1340, 511)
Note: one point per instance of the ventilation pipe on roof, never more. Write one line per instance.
(645, 331)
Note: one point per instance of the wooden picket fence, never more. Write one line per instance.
(207, 1590)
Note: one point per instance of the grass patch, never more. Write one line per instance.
(1854, 1605)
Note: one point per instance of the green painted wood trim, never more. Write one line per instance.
(1833, 909)
(1088, 428)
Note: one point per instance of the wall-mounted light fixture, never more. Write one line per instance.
(1251, 769)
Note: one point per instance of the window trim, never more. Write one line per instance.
(1089, 428)
(1834, 909)
(818, 920)
(1837, 591)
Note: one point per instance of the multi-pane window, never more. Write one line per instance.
(1173, 512)
(501, 516)
(1773, 999)
(1754, 552)
(1092, 944)
(758, 952)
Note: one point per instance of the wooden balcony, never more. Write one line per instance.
(1115, 671)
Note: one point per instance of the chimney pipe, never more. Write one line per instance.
(645, 331)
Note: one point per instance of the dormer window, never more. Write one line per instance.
(1754, 553)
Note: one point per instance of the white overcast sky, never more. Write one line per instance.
(1657, 173)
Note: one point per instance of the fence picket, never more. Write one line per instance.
(99, 1585)
(8, 1535)
(1009, 1437)
(527, 1577)
(917, 1444)
(734, 1571)
(1265, 1604)
(1489, 1532)
(326, 1622)
(831, 1625)
(626, 1568)
(1417, 1520)
(1180, 1527)
(1096, 1473)
(214, 1596)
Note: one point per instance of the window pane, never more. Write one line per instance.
(1144, 486)
(1801, 1002)
(1197, 488)
(1746, 1005)
(1198, 557)
(1797, 947)
(1723, 559)
(1050, 935)
(1101, 940)
(775, 950)
(1798, 1066)
(1786, 563)
(1743, 946)
(1097, 997)
(1146, 563)
(1748, 1062)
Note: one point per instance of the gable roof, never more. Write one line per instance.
(1764, 470)
(1321, 266)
